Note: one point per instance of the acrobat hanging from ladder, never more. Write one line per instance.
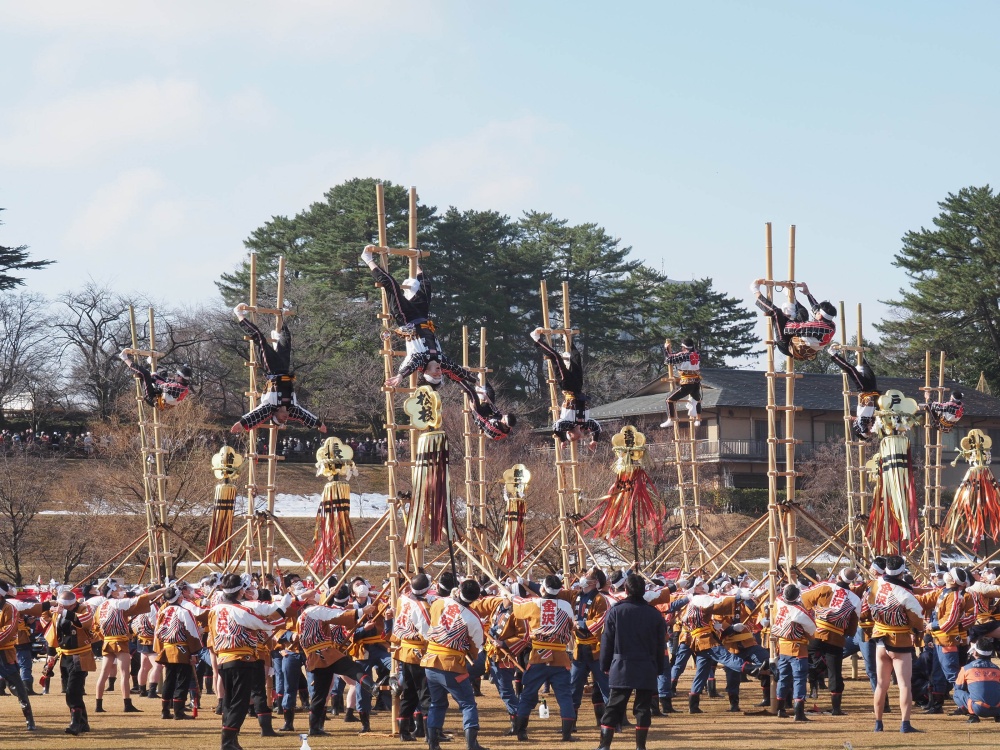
(574, 417)
(159, 389)
(410, 304)
(278, 402)
(798, 336)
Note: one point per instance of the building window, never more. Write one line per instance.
(834, 432)
(760, 429)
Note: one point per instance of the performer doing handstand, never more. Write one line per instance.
(688, 362)
(160, 390)
(798, 336)
(863, 381)
(278, 402)
(574, 419)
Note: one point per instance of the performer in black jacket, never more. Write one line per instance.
(632, 654)
(574, 419)
(278, 402)
(688, 363)
(160, 390)
(862, 380)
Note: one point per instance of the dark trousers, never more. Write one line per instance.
(237, 681)
(76, 679)
(10, 673)
(415, 692)
(258, 689)
(642, 710)
(689, 389)
(176, 681)
(834, 658)
(323, 679)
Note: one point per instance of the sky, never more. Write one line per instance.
(141, 142)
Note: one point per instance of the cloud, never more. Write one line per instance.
(312, 26)
(83, 126)
(113, 207)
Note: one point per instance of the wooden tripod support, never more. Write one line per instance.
(475, 453)
(154, 475)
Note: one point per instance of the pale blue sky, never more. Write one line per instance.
(141, 142)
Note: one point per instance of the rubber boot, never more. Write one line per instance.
(179, 713)
(936, 704)
(521, 728)
(289, 715)
(879, 726)
(813, 689)
(165, 709)
(667, 705)
(433, 738)
(229, 739)
(404, 729)
(973, 719)
(887, 707)
(567, 731)
(598, 712)
(143, 692)
(266, 725)
(835, 699)
(513, 724)
(782, 714)
(349, 716)
(366, 725)
(3, 687)
(654, 708)
(472, 739)
(800, 710)
(111, 684)
(76, 722)
(766, 692)
(419, 730)
(640, 737)
(84, 720)
(316, 726)
(607, 735)
(129, 708)
(29, 718)
(99, 708)
(734, 703)
(477, 687)
(906, 728)
(693, 700)
(152, 691)
(712, 691)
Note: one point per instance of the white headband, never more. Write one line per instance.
(174, 598)
(825, 315)
(418, 592)
(461, 598)
(551, 591)
(982, 652)
(234, 589)
(896, 571)
(8, 592)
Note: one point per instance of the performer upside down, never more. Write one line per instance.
(574, 418)
(160, 390)
(799, 337)
(863, 380)
(278, 402)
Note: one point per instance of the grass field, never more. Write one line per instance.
(713, 729)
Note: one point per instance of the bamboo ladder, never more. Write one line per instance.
(858, 495)
(154, 476)
(259, 537)
(566, 474)
(475, 454)
(693, 539)
(781, 516)
(932, 467)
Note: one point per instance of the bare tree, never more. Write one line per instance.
(23, 491)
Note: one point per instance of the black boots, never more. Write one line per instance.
(800, 710)
(607, 735)
(366, 725)
(936, 704)
(567, 730)
(693, 700)
(782, 714)
(164, 709)
(29, 718)
(472, 739)
(99, 708)
(229, 740)
(835, 699)
(521, 728)
(316, 726)
(151, 693)
(289, 715)
(129, 708)
(734, 703)
(418, 726)
(404, 729)
(179, 714)
(667, 706)
(265, 721)
(640, 738)
(76, 721)
(712, 691)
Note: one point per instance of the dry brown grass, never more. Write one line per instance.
(714, 729)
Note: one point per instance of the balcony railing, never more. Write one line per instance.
(732, 450)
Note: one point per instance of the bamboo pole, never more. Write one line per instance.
(681, 479)
(774, 519)
(790, 441)
(252, 397)
(373, 530)
(131, 547)
(554, 408)
(166, 557)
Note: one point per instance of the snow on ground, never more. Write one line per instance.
(364, 505)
